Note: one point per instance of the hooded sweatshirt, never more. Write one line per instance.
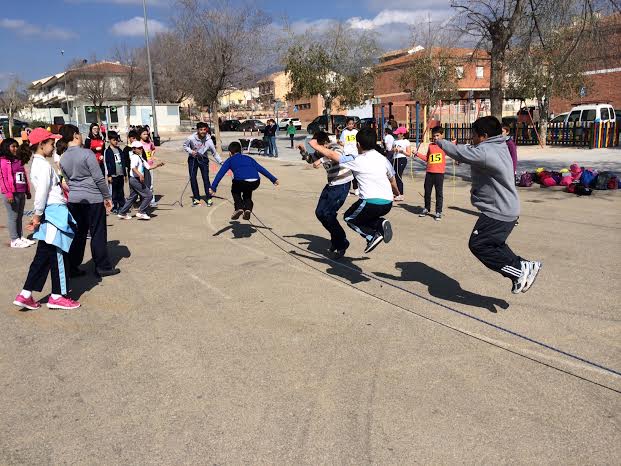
(493, 184)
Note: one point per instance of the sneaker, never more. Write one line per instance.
(107, 272)
(19, 244)
(28, 303)
(62, 303)
(339, 253)
(424, 213)
(377, 239)
(535, 267)
(386, 231)
(398, 198)
(247, 214)
(196, 202)
(520, 282)
(142, 216)
(153, 204)
(28, 241)
(125, 216)
(209, 202)
(238, 213)
(438, 216)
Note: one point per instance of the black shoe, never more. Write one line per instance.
(74, 273)
(377, 239)
(338, 253)
(386, 231)
(247, 214)
(238, 213)
(107, 272)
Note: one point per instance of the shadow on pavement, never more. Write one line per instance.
(476, 213)
(319, 245)
(240, 230)
(442, 286)
(413, 209)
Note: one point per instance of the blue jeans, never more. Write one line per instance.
(272, 148)
(193, 165)
(331, 200)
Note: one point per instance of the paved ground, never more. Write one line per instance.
(231, 343)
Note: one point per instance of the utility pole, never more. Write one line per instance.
(146, 38)
(62, 52)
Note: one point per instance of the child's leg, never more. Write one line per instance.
(192, 171)
(331, 200)
(398, 179)
(438, 183)
(11, 214)
(247, 194)
(366, 219)
(204, 166)
(236, 192)
(428, 187)
(40, 266)
(118, 196)
(402, 163)
(133, 195)
(20, 198)
(145, 193)
(58, 273)
(488, 244)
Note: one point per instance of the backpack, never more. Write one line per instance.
(604, 179)
(588, 178)
(526, 180)
(583, 190)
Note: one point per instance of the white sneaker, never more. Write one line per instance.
(153, 204)
(142, 216)
(520, 282)
(127, 216)
(28, 241)
(535, 267)
(399, 198)
(19, 244)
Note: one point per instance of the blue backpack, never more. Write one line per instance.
(588, 178)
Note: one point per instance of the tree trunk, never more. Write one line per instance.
(128, 115)
(544, 108)
(328, 109)
(97, 113)
(214, 112)
(496, 79)
(10, 123)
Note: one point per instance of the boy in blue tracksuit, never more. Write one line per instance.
(245, 180)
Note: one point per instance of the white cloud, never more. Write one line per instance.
(385, 18)
(135, 27)
(121, 2)
(26, 29)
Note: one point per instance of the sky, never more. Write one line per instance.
(40, 37)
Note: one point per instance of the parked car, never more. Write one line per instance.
(284, 122)
(320, 123)
(230, 125)
(618, 116)
(560, 118)
(4, 121)
(251, 125)
(591, 112)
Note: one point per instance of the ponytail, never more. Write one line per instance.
(25, 151)
(61, 146)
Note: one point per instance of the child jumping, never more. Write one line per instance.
(376, 180)
(54, 228)
(245, 180)
(494, 194)
(436, 166)
(15, 189)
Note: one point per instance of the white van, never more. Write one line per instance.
(591, 112)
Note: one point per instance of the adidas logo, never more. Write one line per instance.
(475, 232)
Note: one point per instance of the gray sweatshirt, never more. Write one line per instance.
(86, 182)
(493, 183)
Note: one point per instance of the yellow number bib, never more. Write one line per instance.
(350, 138)
(435, 158)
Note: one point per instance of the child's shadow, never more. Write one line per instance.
(319, 245)
(240, 230)
(442, 286)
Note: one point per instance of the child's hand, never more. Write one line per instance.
(211, 192)
(317, 164)
(109, 179)
(276, 183)
(34, 223)
(141, 178)
(28, 196)
(454, 141)
(10, 199)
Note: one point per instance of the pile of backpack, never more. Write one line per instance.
(575, 179)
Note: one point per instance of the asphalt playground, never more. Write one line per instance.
(242, 343)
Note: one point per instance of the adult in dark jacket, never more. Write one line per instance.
(270, 135)
(89, 199)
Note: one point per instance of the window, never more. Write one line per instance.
(479, 71)
(459, 72)
(172, 110)
(605, 114)
(588, 115)
(574, 116)
(305, 106)
(114, 115)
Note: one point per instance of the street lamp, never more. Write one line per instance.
(62, 52)
(156, 136)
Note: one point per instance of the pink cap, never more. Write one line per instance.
(400, 130)
(38, 135)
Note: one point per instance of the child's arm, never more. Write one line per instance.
(324, 151)
(139, 175)
(261, 169)
(42, 189)
(212, 148)
(226, 166)
(463, 152)
(188, 147)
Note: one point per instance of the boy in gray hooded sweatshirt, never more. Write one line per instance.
(493, 193)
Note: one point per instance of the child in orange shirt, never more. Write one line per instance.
(436, 166)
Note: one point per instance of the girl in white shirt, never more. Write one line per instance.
(401, 150)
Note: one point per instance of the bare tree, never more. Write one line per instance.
(170, 81)
(494, 23)
(133, 83)
(337, 65)
(550, 56)
(222, 45)
(12, 100)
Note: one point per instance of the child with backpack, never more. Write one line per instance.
(245, 180)
(434, 178)
(494, 194)
(53, 225)
(15, 189)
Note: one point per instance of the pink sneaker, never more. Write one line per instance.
(28, 303)
(62, 303)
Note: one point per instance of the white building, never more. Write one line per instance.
(60, 95)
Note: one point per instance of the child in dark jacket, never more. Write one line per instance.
(245, 180)
(117, 171)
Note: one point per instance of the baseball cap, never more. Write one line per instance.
(136, 144)
(400, 130)
(38, 135)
